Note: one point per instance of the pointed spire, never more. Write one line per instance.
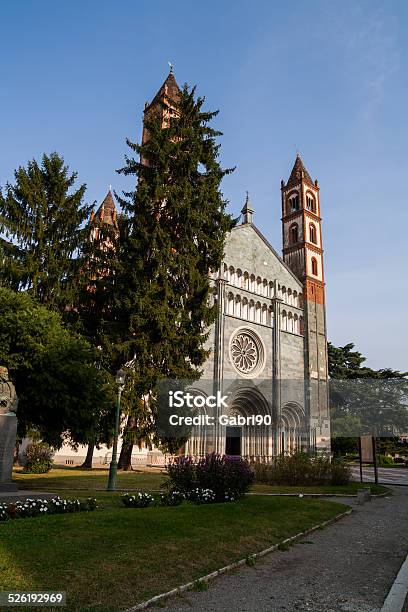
(247, 210)
(298, 173)
(106, 213)
(169, 89)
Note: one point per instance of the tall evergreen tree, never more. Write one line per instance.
(41, 231)
(174, 235)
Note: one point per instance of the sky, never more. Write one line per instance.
(326, 78)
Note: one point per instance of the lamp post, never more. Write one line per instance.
(113, 467)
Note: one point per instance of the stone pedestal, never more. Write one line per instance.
(8, 431)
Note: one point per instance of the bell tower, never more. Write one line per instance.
(303, 254)
(162, 104)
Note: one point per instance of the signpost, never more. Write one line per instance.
(368, 454)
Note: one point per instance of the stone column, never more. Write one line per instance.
(276, 370)
(218, 446)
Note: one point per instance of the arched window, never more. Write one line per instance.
(310, 202)
(245, 313)
(258, 312)
(312, 233)
(293, 202)
(314, 266)
(294, 233)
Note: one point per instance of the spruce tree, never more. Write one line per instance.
(173, 237)
(41, 231)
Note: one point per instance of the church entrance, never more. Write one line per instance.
(233, 441)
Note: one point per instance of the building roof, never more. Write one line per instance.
(107, 212)
(169, 89)
(298, 172)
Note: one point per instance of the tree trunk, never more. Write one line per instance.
(128, 440)
(89, 456)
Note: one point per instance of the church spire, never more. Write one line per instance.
(247, 210)
(107, 212)
(298, 173)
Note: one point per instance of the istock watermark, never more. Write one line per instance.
(180, 399)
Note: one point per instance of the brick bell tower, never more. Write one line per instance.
(303, 254)
(161, 105)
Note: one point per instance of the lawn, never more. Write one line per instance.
(74, 481)
(113, 558)
(61, 479)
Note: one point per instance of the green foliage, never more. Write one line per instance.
(41, 219)
(38, 458)
(172, 234)
(138, 500)
(221, 477)
(44, 507)
(302, 469)
(61, 392)
(363, 400)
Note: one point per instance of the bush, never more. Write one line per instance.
(229, 478)
(41, 507)
(138, 500)
(172, 498)
(38, 458)
(386, 460)
(202, 496)
(340, 472)
(301, 469)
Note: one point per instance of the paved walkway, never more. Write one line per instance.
(348, 567)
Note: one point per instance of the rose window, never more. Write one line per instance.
(244, 353)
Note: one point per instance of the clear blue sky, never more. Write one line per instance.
(328, 78)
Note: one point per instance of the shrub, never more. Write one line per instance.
(202, 496)
(41, 507)
(172, 498)
(182, 473)
(38, 458)
(340, 472)
(227, 477)
(386, 460)
(138, 500)
(301, 469)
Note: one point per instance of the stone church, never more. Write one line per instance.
(269, 342)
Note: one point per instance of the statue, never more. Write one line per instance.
(8, 395)
(8, 430)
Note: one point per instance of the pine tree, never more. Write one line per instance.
(41, 231)
(174, 235)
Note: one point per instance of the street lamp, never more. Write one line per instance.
(113, 467)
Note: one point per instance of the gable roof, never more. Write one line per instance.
(270, 247)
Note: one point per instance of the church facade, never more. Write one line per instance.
(268, 346)
(269, 342)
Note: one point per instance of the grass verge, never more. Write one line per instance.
(113, 559)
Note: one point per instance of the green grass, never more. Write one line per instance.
(74, 481)
(350, 489)
(111, 559)
(60, 479)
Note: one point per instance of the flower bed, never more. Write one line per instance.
(40, 507)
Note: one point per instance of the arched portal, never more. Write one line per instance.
(252, 441)
(291, 427)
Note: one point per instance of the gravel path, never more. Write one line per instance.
(347, 567)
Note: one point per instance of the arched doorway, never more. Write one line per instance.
(252, 441)
(292, 427)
